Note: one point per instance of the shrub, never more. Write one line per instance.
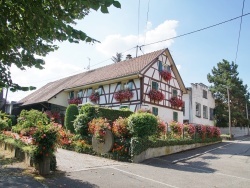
(3, 124)
(176, 128)
(201, 130)
(81, 124)
(98, 127)
(89, 110)
(217, 132)
(120, 127)
(190, 130)
(210, 131)
(161, 128)
(71, 113)
(5, 121)
(142, 124)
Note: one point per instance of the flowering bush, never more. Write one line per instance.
(210, 131)
(217, 132)
(123, 95)
(45, 139)
(75, 101)
(174, 101)
(156, 95)
(166, 75)
(98, 127)
(54, 116)
(176, 128)
(65, 137)
(120, 127)
(161, 128)
(201, 130)
(190, 130)
(94, 97)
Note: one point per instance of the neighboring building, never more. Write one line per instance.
(199, 105)
(139, 75)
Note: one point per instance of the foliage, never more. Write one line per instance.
(98, 128)
(54, 116)
(224, 76)
(81, 146)
(45, 139)
(217, 132)
(176, 128)
(29, 29)
(5, 121)
(201, 130)
(75, 101)
(144, 111)
(142, 124)
(64, 137)
(210, 131)
(120, 127)
(190, 130)
(71, 113)
(125, 94)
(156, 95)
(161, 128)
(117, 58)
(176, 102)
(166, 75)
(94, 97)
(89, 110)
(81, 124)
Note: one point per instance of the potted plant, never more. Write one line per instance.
(125, 94)
(98, 128)
(166, 75)
(75, 101)
(156, 95)
(94, 97)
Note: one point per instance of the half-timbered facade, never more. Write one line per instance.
(150, 82)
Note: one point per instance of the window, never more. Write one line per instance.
(80, 94)
(204, 94)
(198, 109)
(119, 86)
(128, 85)
(89, 92)
(205, 112)
(183, 108)
(168, 68)
(159, 65)
(211, 113)
(174, 93)
(71, 94)
(175, 116)
(100, 89)
(155, 85)
(155, 111)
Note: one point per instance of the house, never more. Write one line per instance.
(199, 105)
(145, 82)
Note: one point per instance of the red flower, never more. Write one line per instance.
(176, 102)
(94, 97)
(75, 101)
(123, 94)
(166, 75)
(156, 95)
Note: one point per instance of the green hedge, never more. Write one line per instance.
(138, 145)
(110, 114)
(70, 116)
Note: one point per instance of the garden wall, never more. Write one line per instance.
(166, 150)
(236, 131)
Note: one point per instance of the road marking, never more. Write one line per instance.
(144, 177)
(199, 154)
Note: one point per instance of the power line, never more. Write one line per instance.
(197, 30)
(239, 31)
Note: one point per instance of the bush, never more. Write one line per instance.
(161, 128)
(3, 125)
(176, 128)
(98, 127)
(81, 124)
(5, 121)
(120, 127)
(70, 116)
(89, 110)
(142, 124)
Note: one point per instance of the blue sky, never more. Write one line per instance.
(195, 55)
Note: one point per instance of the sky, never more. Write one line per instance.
(154, 20)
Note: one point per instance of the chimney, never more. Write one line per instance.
(128, 57)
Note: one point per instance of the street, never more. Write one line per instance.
(226, 164)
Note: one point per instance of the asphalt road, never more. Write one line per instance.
(225, 164)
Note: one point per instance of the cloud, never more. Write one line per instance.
(118, 43)
(54, 69)
(178, 67)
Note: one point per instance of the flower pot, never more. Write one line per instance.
(44, 166)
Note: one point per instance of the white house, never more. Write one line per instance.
(153, 74)
(199, 105)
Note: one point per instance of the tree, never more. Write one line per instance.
(117, 58)
(223, 77)
(29, 29)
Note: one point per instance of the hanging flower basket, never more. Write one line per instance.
(75, 101)
(166, 75)
(94, 97)
(176, 102)
(123, 95)
(156, 95)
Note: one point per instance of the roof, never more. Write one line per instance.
(116, 70)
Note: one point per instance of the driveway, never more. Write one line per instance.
(225, 164)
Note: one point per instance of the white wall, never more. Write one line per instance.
(236, 131)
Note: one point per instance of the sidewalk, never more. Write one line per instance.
(14, 173)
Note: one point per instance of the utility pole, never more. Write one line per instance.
(229, 113)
